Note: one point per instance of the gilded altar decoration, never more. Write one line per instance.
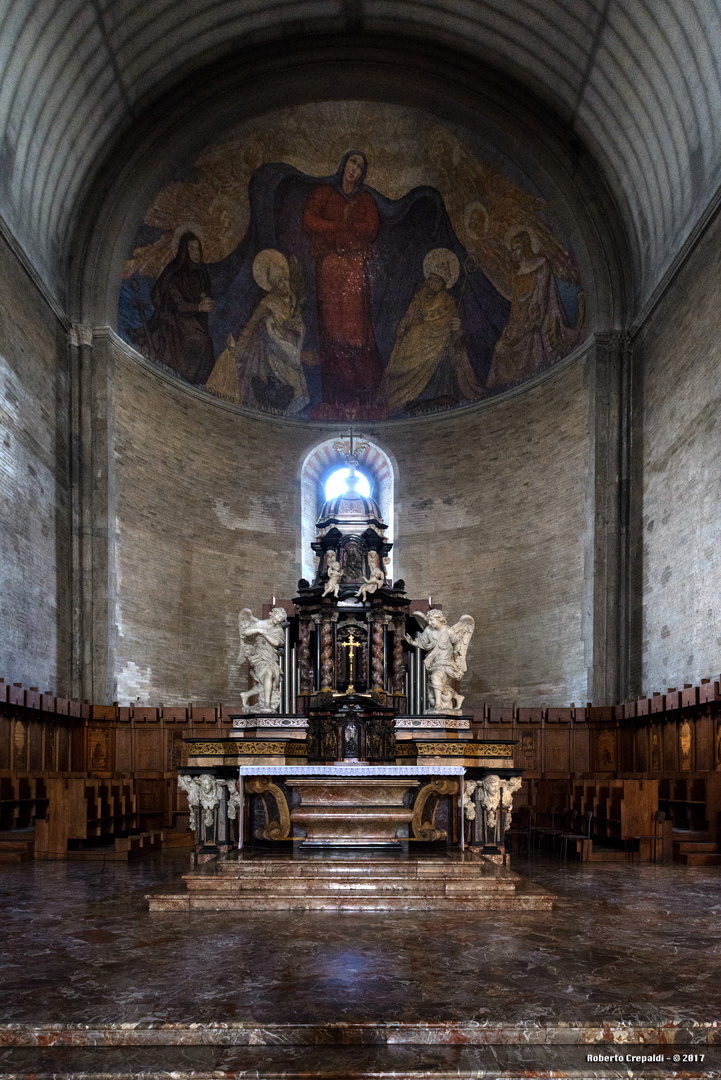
(341, 260)
(464, 749)
(277, 825)
(228, 748)
(425, 806)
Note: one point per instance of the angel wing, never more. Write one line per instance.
(461, 634)
(246, 618)
(420, 619)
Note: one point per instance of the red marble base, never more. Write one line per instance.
(445, 882)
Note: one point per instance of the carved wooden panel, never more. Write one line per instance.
(147, 750)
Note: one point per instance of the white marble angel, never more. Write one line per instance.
(260, 643)
(333, 570)
(377, 578)
(446, 647)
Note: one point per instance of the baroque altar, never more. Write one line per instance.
(352, 731)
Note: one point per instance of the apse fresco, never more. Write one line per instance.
(351, 260)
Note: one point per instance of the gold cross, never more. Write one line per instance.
(350, 645)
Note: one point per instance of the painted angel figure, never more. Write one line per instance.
(260, 643)
(446, 647)
(377, 578)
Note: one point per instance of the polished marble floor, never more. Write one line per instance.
(629, 952)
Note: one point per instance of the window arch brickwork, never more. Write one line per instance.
(324, 459)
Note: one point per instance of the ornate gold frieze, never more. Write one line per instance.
(464, 749)
(292, 748)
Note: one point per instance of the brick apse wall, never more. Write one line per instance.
(492, 518)
(34, 481)
(678, 362)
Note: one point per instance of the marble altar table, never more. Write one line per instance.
(352, 805)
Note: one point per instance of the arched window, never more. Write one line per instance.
(337, 483)
(326, 462)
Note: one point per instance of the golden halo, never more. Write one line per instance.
(472, 210)
(516, 229)
(188, 226)
(444, 263)
(347, 142)
(264, 263)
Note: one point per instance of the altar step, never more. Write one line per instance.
(276, 883)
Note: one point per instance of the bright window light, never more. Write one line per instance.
(336, 484)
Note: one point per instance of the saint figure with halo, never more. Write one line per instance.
(262, 367)
(429, 365)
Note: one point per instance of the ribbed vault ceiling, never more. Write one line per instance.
(638, 81)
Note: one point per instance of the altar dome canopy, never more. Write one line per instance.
(350, 512)
(464, 280)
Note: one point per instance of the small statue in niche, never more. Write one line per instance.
(261, 641)
(377, 578)
(353, 560)
(446, 647)
(334, 572)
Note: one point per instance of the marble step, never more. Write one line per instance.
(148, 1033)
(264, 881)
(530, 898)
(331, 886)
(317, 867)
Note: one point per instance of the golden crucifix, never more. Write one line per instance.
(350, 645)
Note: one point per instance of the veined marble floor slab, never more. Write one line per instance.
(629, 955)
(351, 1063)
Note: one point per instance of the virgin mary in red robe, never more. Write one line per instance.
(342, 221)
(361, 255)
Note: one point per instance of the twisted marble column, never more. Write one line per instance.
(304, 666)
(399, 670)
(377, 655)
(326, 654)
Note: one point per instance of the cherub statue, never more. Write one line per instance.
(260, 643)
(377, 578)
(333, 569)
(446, 647)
